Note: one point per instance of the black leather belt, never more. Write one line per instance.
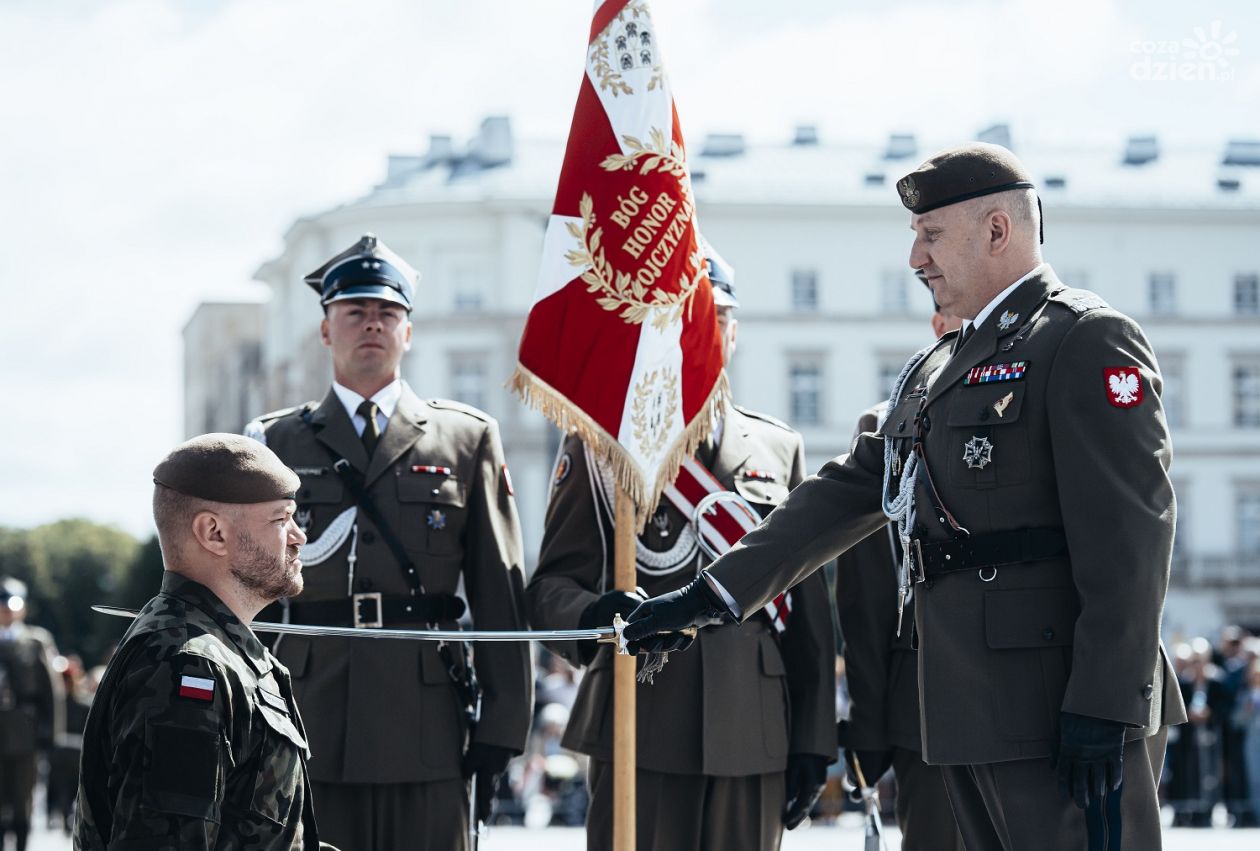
(374, 610)
(977, 552)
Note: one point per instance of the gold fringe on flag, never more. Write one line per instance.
(571, 419)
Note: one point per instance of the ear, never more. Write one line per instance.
(938, 324)
(323, 332)
(407, 337)
(999, 231)
(210, 532)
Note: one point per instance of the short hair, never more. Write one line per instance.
(173, 513)
(1020, 204)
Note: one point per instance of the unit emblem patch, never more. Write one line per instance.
(1124, 386)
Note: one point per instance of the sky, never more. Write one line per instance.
(154, 152)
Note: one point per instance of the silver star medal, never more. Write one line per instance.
(978, 452)
(436, 519)
(1006, 320)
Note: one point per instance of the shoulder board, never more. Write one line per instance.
(284, 412)
(1078, 301)
(451, 405)
(766, 418)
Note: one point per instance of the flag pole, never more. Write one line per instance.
(624, 727)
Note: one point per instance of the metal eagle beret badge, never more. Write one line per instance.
(228, 468)
(960, 173)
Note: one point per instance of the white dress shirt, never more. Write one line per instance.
(386, 400)
(998, 299)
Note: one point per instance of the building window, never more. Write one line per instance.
(893, 291)
(1172, 368)
(1163, 293)
(1247, 294)
(1247, 508)
(467, 286)
(805, 377)
(468, 379)
(804, 289)
(1246, 380)
(890, 366)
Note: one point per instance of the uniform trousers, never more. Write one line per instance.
(923, 812)
(1017, 806)
(393, 816)
(691, 812)
(17, 788)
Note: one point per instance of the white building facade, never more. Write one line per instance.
(830, 310)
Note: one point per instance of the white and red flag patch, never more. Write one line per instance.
(1124, 386)
(198, 688)
(621, 344)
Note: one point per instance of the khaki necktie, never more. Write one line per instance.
(371, 429)
(963, 336)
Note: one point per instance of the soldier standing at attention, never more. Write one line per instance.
(31, 707)
(882, 670)
(1025, 461)
(734, 737)
(403, 499)
(194, 741)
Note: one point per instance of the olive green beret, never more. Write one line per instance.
(226, 468)
(958, 174)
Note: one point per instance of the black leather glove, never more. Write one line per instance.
(1090, 758)
(805, 778)
(874, 765)
(692, 605)
(600, 613)
(487, 762)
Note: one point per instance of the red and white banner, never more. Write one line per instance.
(621, 344)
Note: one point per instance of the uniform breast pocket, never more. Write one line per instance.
(986, 444)
(433, 512)
(278, 775)
(762, 493)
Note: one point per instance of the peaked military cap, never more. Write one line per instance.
(226, 468)
(367, 269)
(721, 276)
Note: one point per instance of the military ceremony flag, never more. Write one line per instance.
(621, 344)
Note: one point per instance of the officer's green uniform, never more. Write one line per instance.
(30, 715)
(193, 741)
(882, 672)
(717, 726)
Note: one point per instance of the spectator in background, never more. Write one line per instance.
(63, 767)
(1194, 759)
(1247, 716)
(1233, 660)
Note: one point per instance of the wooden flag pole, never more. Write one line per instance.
(624, 727)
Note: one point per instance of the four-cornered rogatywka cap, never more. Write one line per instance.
(228, 468)
(721, 276)
(367, 269)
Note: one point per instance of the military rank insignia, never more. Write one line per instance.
(197, 688)
(1124, 386)
(436, 520)
(1006, 320)
(992, 372)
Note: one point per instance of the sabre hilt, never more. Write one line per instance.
(623, 646)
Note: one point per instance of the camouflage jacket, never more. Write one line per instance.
(193, 741)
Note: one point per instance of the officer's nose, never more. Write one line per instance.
(296, 536)
(919, 257)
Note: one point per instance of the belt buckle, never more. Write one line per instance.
(356, 603)
(916, 563)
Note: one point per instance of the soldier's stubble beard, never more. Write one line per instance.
(262, 573)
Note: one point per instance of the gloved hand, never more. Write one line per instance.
(874, 765)
(487, 762)
(1090, 757)
(600, 613)
(692, 605)
(805, 778)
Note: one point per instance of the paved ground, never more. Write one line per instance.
(846, 837)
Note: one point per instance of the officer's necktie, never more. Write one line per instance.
(371, 429)
(963, 336)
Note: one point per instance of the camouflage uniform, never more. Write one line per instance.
(194, 741)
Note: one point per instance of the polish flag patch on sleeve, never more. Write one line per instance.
(197, 688)
(1124, 386)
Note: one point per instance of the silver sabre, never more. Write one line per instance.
(605, 634)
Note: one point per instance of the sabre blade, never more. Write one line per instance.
(606, 633)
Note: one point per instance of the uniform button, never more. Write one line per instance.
(369, 537)
(1148, 692)
(367, 584)
(1048, 634)
(984, 414)
(435, 491)
(901, 426)
(927, 423)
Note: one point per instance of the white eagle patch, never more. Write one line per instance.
(1124, 386)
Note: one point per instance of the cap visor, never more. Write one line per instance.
(382, 293)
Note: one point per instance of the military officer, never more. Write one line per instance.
(194, 740)
(881, 667)
(404, 499)
(31, 708)
(1025, 459)
(699, 784)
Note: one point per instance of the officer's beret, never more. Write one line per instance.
(226, 468)
(958, 174)
(367, 269)
(721, 276)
